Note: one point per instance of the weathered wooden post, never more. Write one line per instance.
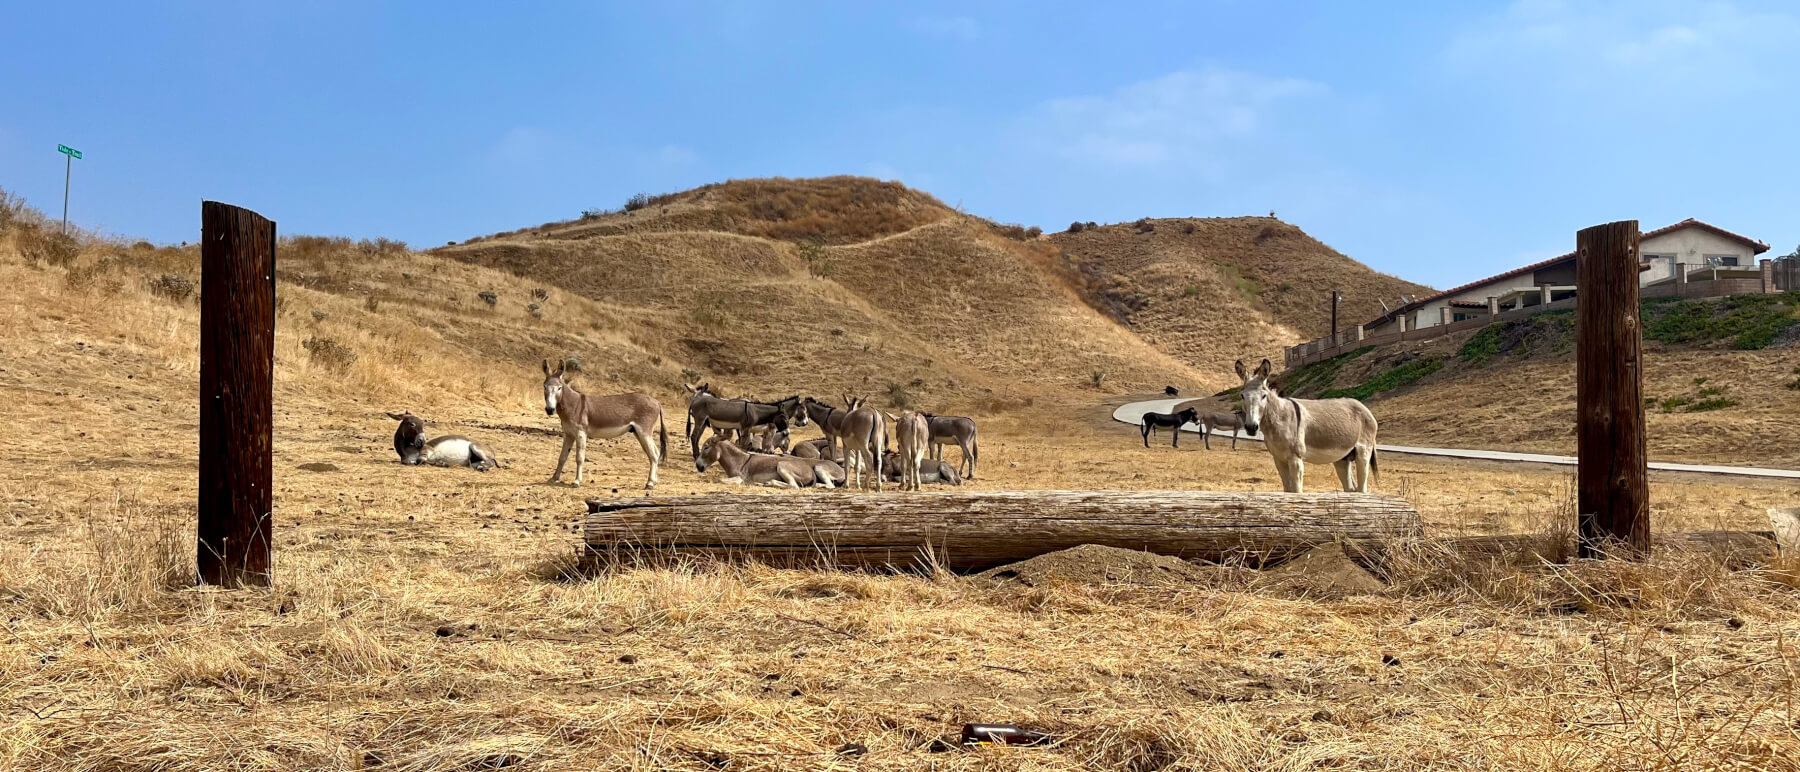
(237, 364)
(1613, 498)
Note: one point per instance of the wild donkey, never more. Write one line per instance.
(1148, 423)
(830, 420)
(864, 434)
(1335, 431)
(931, 471)
(763, 469)
(741, 415)
(949, 428)
(602, 417)
(448, 450)
(1211, 421)
(911, 433)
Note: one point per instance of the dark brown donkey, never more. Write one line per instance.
(743, 416)
(604, 417)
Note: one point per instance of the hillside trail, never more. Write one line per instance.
(1130, 412)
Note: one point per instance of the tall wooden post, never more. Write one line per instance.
(237, 364)
(1613, 498)
(1334, 304)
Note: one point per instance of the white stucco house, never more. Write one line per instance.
(1699, 247)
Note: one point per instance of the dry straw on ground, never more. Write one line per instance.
(432, 619)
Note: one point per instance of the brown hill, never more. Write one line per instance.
(827, 285)
(1210, 290)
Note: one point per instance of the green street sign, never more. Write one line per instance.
(68, 151)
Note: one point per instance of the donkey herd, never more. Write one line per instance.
(751, 441)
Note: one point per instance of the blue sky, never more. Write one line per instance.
(1436, 141)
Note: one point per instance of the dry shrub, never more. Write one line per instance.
(172, 286)
(40, 246)
(12, 209)
(1075, 227)
(329, 354)
(82, 277)
(129, 555)
(490, 297)
(371, 304)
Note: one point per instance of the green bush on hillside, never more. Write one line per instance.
(1402, 375)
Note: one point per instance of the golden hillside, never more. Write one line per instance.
(835, 284)
(1211, 290)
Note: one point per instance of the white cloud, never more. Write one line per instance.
(675, 155)
(1641, 46)
(523, 147)
(1183, 117)
(949, 27)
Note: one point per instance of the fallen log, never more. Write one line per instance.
(974, 531)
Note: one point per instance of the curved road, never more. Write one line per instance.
(1129, 413)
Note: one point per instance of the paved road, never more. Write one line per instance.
(1129, 414)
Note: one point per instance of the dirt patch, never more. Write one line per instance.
(1324, 572)
(319, 466)
(1095, 565)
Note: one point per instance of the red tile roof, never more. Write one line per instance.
(1757, 246)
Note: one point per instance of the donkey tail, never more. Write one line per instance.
(1374, 467)
(662, 437)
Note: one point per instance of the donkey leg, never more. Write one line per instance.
(822, 476)
(568, 444)
(1365, 462)
(1296, 476)
(1343, 471)
(650, 453)
(580, 457)
(1145, 429)
(1206, 436)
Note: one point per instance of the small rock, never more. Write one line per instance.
(1735, 623)
(445, 631)
(627, 659)
(1321, 716)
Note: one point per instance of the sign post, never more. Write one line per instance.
(68, 165)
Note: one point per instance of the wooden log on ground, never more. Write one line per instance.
(979, 530)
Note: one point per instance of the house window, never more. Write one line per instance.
(1722, 261)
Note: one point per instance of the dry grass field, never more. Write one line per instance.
(436, 619)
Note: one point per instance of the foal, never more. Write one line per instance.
(604, 417)
(1340, 432)
(1150, 421)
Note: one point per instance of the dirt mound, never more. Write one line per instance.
(1324, 572)
(1094, 565)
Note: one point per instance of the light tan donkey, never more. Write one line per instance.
(745, 468)
(864, 434)
(602, 417)
(912, 432)
(1340, 432)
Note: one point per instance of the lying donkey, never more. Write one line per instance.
(1151, 421)
(745, 468)
(448, 450)
(1211, 421)
(821, 447)
(930, 470)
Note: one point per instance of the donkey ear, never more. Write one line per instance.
(546, 367)
(1264, 369)
(1243, 374)
(397, 416)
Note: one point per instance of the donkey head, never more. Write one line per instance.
(409, 439)
(709, 453)
(1256, 388)
(793, 410)
(554, 381)
(1189, 416)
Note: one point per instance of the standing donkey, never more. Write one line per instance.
(1340, 432)
(604, 417)
(1210, 421)
(742, 415)
(949, 428)
(911, 432)
(864, 434)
